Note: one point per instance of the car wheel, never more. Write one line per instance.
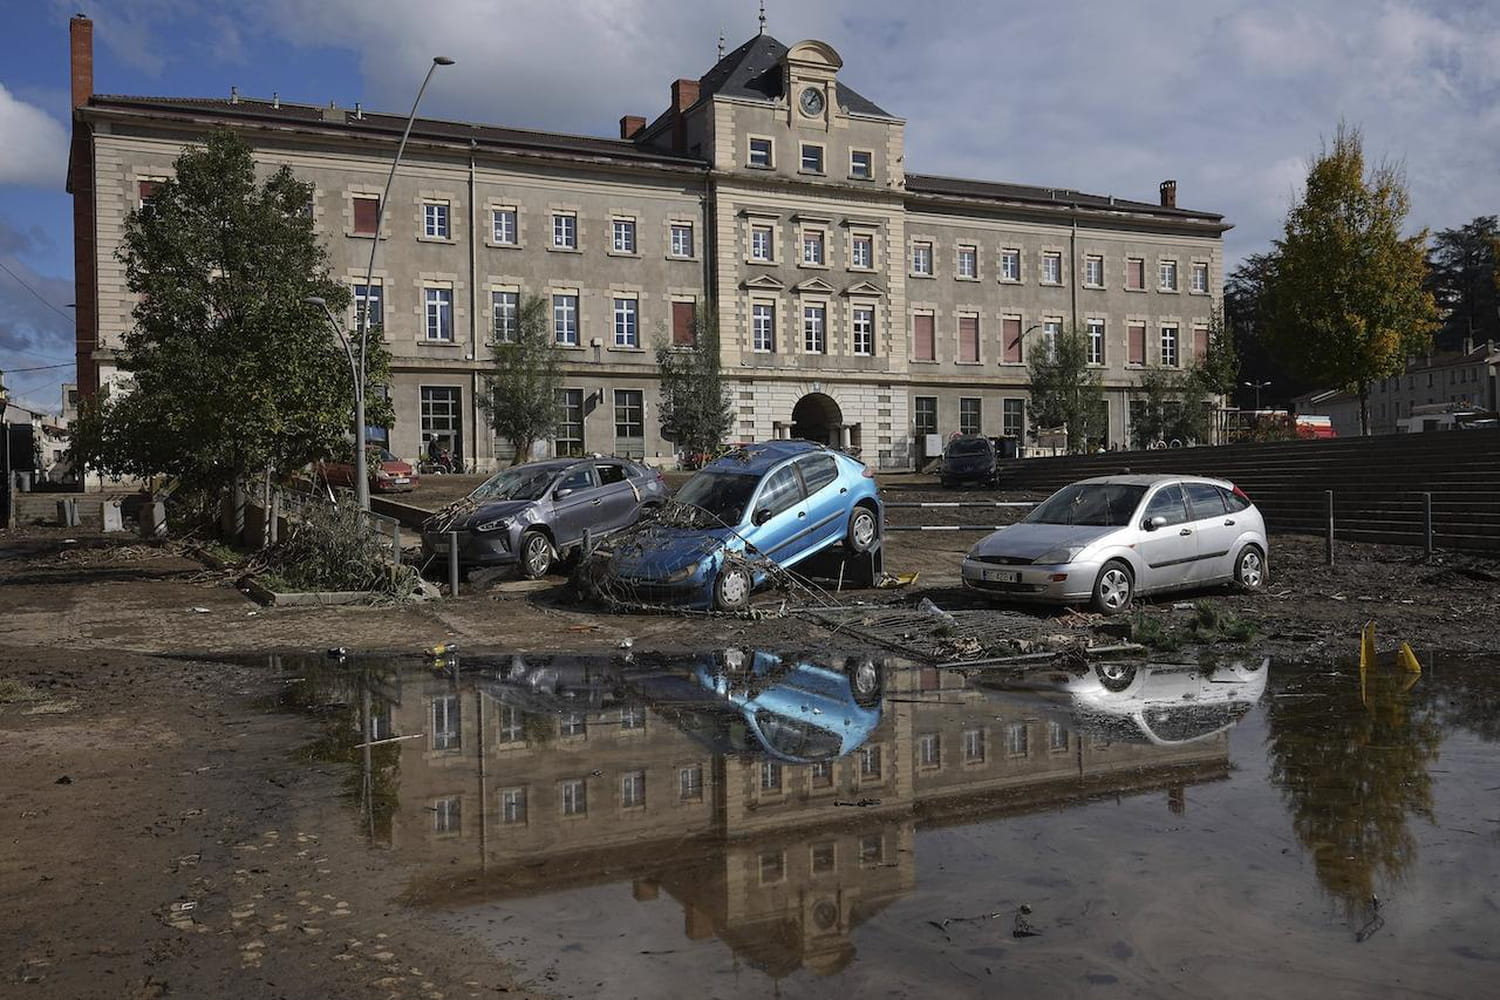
(863, 530)
(865, 682)
(536, 554)
(1250, 568)
(732, 589)
(1115, 676)
(1113, 589)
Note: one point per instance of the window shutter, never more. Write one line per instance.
(924, 349)
(365, 210)
(1010, 336)
(1135, 276)
(968, 338)
(1200, 344)
(683, 316)
(1137, 343)
(147, 189)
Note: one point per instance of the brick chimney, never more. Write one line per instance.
(81, 35)
(1168, 194)
(684, 96)
(630, 125)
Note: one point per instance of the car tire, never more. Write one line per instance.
(866, 682)
(732, 588)
(1250, 568)
(1115, 677)
(863, 531)
(536, 554)
(1114, 588)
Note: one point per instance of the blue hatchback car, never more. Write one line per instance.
(739, 518)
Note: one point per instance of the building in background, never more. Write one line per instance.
(857, 303)
(1460, 382)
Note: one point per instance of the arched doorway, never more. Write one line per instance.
(816, 417)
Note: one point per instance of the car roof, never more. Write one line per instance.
(1151, 479)
(757, 458)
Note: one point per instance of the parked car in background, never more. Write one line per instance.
(1105, 541)
(744, 514)
(532, 515)
(970, 458)
(386, 473)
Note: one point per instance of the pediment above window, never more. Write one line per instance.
(764, 283)
(865, 288)
(816, 286)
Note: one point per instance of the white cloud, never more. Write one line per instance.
(33, 144)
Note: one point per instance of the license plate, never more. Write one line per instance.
(440, 547)
(1002, 575)
(401, 480)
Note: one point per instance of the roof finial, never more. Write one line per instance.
(762, 17)
(721, 44)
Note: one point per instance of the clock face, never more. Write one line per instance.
(812, 101)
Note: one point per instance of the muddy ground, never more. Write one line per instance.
(162, 839)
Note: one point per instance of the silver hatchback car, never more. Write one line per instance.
(1103, 541)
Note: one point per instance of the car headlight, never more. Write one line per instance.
(1058, 556)
(681, 574)
(498, 524)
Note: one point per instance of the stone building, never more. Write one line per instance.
(857, 303)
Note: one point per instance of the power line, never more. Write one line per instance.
(38, 368)
(22, 282)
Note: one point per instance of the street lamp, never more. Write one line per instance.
(358, 362)
(1257, 386)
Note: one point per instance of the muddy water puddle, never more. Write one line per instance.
(746, 821)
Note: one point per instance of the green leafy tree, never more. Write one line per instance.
(1349, 299)
(696, 412)
(231, 371)
(1462, 278)
(521, 393)
(1066, 392)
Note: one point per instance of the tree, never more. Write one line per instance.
(696, 412)
(1066, 392)
(521, 394)
(1462, 279)
(1349, 301)
(1178, 404)
(231, 371)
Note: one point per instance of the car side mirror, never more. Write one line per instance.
(562, 494)
(1152, 523)
(761, 516)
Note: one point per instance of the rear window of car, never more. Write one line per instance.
(609, 473)
(817, 471)
(1233, 502)
(1206, 499)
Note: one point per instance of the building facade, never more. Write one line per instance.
(856, 303)
(1465, 380)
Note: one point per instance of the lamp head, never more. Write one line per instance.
(316, 300)
(442, 60)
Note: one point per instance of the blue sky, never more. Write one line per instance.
(1230, 99)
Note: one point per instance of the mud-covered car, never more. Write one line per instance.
(532, 515)
(970, 458)
(741, 518)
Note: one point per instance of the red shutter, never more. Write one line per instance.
(1135, 274)
(365, 211)
(684, 316)
(1200, 344)
(147, 189)
(924, 349)
(1137, 332)
(968, 338)
(1010, 338)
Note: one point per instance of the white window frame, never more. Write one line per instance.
(1052, 328)
(574, 797)
(763, 327)
(821, 158)
(435, 220)
(1093, 270)
(627, 321)
(921, 258)
(377, 317)
(633, 790)
(973, 746)
(505, 226)
(498, 307)
(867, 241)
(1095, 328)
(1168, 344)
(930, 751)
(677, 244)
(438, 305)
(769, 234)
(815, 240)
(564, 231)
(1166, 275)
(564, 332)
(967, 268)
(1199, 278)
(690, 783)
(815, 328)
(1010, 264)
(855, 173)
(1051, 267)
(769, 153)
(862, 329)
(978, 408)
(513, 806)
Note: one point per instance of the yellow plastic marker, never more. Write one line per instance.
(1366, 657)
(1408, 660)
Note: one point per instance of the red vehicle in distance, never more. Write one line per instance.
(388, 474)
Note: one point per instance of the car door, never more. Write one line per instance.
(575, 505)
(827, 500)
(1216, 532)
(618, 497)
(1170, 550)
(780, 508)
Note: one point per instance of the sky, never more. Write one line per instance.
(1232, 100)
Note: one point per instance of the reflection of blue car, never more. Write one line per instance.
(759, 507)
(795, 711)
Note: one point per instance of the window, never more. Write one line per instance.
(370, 295)
(921, 259)
(1168, 502)
(623, 235)
(1010, 265)
(864, 330)
(512, 724)
(565, 231)
(871, 849)
(869, 763)
(1012, 417)
(812, 158)
(760, 243)
(684, 324)
(763, 327)
(861, 165)
(1051, 330)
(820, 774)
(818, 470)
(682, 239)
(770, 776)
(862, 252)
(503, 226)
(969, 409)
(505, 306)
(1017, 739)
(1096, 341)
(1135, 274)
(1169, 347)
(446, 731)
(145, 190)
(973, 746)
(366, 215)
(1200, 346)
(1057, 737)
(575, 801)
(570, 426)
(627, 326)
(968, 340)
(1135, 334)
(930, 750)
(573, 725)
(440, 414)
(633, 790)
(439, 313)
(630, 420)
(512, 805)
(1051, 268)
(760, 153)
(1093, 271)
(1200, 279)
(812, 247)
(924, 415)
(814, 329)
(690, 782)
(924, 346)
(968, 263)
(772, 867)
(824, 857)
(435, 220)
(565, 319)
(447, 815)
(1010, 340)
(1168, 276)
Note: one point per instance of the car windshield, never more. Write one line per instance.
(1101, 504)
(965, 447)
(520, 483)
(722, 495)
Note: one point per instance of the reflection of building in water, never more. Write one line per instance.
(509, 795)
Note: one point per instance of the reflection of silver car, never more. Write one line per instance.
(1103, 541)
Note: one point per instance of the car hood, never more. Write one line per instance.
(1027, 541)
(465, 513)
(397, 468)
(658, 550)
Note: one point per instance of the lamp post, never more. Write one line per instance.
(357, 358)
(1257, 386)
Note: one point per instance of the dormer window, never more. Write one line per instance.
(760, 153)
(812, 158)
